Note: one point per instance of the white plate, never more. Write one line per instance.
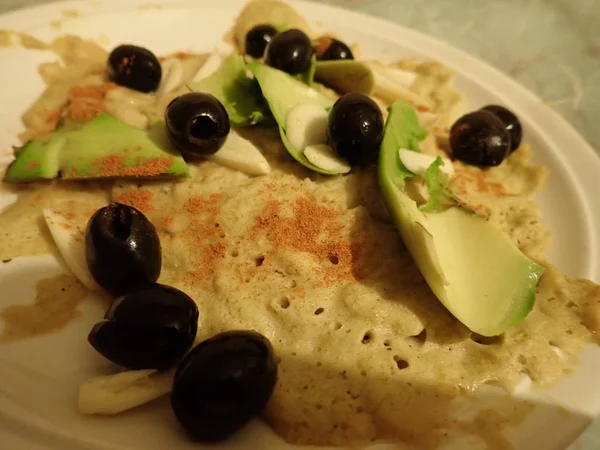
(39, 378)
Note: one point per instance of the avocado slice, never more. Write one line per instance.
(479, 275)
(239, 94)
(38, 159)
(283, 92)
(308, 76)
(105, 147)
(347, 75)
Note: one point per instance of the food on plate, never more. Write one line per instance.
(258, 38)
(289, 51)
(150, 327)
(198, 124)
(472, 267)
(480, 138)
(223, 383)
(510, 121)
(134, 67)
(347, 255)
(122, 249)
(355, 128)
(328, 49)
(111, 149)
(346, 76)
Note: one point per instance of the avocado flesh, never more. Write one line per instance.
(38, 159)
(102, 148)
(347, 75)
(479, 275)
(105, 147)
(283, 92)
(232, 87)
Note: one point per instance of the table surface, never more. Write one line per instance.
(552, 47)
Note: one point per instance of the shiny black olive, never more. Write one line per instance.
(122, 249)
(289, 51)
(134, 67)
(329, 49)
(479, 138)
(258, 38)
(198, 124)
(149, 328)
(510, 121)
(355, 128)
(223, 383)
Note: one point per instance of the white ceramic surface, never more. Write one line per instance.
(39, 377)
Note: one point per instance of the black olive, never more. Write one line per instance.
(134, 67)
(122, 249)
(258, 38)
(149, 328)
(289, 51)
(355, 128)
(332, 49)
(510, 121)
(198, 124)
(479, 138)
(223, 383)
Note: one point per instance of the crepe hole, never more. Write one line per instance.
(401, 363)
(359, 410)
(421, 337)
(333, 258)
(259, 261)
(367, 337)
(6, 261)
(293, 284)
(319, 311)
(222, 235)
(522, 360)
(487, 340)
(571, 305)
(387, 343)
(284, 303)
(569, 332)
(337, 325)
(235, 253)
(318, 406)
(319, 363)
(363, 373)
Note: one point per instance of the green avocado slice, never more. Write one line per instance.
(479, 275)
(308, 76)
(105, 147)
(282, 93)
(346, 75)
(38, 159)
(231, 85)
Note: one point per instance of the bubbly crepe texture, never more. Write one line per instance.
(366, 352)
